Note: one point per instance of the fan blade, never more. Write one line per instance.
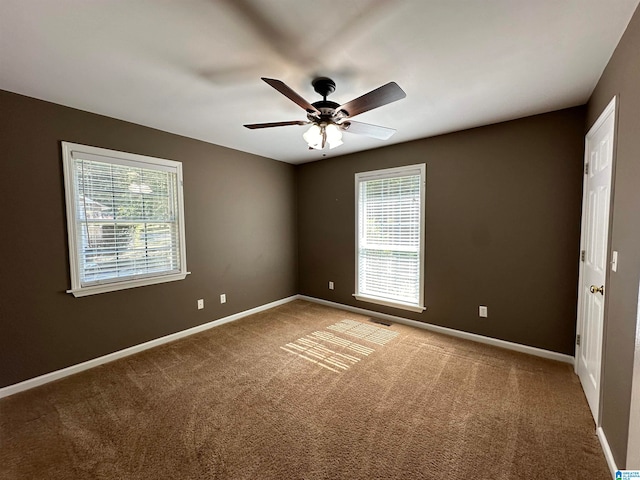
(291, 95)
(383, 95)
(373, 131)
(253, 126)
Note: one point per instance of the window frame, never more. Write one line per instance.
(73, 225)
(361, 177)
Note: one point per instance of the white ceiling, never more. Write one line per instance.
(193, 67)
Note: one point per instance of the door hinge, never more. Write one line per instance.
(578, 340)
(586, 169)
(583, 254)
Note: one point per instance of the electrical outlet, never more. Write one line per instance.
(330, 285)
(223, 298)
(201, 304)
(482, 311)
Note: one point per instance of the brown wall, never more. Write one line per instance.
(622, 77)
(240, 213)
(502, 227)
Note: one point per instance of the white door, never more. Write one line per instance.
(595, 234)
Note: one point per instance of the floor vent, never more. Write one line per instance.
(380, 322)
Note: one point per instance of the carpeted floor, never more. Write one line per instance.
(304, 391)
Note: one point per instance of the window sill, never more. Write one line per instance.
(389, 303)
(112, 287)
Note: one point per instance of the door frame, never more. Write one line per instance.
(633, 442)
(610, 109)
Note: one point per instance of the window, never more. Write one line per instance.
(390, 237)
(125, 219)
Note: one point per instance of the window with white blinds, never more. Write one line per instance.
(125, 219)
(390, 237)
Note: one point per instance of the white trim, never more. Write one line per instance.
(538, 352)
(71, 151)
(83, 152)
(611, 463)
(406, 170)
(380, 301)
(633, 440)
(80, 367)
(65, 372)
(115, 286)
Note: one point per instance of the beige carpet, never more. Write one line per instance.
(304, 391)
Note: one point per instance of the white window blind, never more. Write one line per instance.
(390, 250)
(125, 219)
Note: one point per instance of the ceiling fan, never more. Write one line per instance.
(329, 119)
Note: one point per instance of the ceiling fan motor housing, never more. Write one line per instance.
(323, 86)
(326, 109)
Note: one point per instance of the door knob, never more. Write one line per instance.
(594, 289)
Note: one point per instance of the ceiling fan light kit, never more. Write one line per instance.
(320, 135)
(329, 119)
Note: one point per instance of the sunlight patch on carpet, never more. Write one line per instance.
(336, 353)
(365, 331)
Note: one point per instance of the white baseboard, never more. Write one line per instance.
(607, 452)
(58, 374)
(539, 352)
(65, 372)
